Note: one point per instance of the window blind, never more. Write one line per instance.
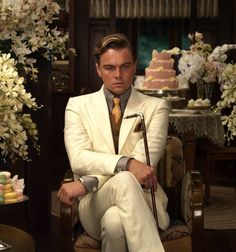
(153, 8)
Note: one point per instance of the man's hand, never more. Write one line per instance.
(70, 191)
(143, 173)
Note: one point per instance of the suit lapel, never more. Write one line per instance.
(102, 120)
(134, 105)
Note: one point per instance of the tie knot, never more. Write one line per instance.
(116, 100)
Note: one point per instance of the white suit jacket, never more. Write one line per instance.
(89, 142)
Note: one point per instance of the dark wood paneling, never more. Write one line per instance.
(58, 158)
(38, 171)
(234, 23)
(81, 70)
(98, 29)
(225, 21)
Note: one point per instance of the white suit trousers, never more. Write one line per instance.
(119, 215)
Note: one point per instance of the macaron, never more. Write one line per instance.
(3, 181)
(7, 191)
(5, 174)
(10, 195)
(7, 187)
(1, 200)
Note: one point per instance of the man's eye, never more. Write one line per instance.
(109, 68)
(126, 66)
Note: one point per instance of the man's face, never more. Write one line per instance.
(117, 68)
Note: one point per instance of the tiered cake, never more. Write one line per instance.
(160, 73)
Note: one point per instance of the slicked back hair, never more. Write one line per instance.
(113, 41)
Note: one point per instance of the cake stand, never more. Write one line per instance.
(171, 95)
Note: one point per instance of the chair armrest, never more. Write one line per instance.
(192, 205)
(68, 218)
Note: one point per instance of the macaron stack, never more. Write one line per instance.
(7, 192)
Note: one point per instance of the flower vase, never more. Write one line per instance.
(209, 89)
(205, 90)
(200, 90)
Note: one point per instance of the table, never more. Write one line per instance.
(19, 240)
(193, 124)
(15, 213)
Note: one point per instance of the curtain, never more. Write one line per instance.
(153, 8)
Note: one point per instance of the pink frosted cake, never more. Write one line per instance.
(160, 73)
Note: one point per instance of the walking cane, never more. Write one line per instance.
(143, 129)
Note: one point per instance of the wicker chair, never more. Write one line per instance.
(185, 208)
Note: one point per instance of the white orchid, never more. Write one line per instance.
(16, 127)
(228, 100)
(194, 64)
(25, 31)
(218, 53)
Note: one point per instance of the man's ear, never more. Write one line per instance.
(98, 70)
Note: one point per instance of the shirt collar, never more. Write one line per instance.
(123, 98)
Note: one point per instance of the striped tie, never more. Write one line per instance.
(116, 112)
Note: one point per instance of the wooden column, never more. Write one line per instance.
(224, 27)
(38, 171)
(81, 42)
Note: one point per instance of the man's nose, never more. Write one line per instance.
(117, 72)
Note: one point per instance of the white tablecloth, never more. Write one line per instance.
(203, 123)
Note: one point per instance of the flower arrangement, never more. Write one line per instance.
(194, 65)
(16, 127)
(202, 64)
(228, 100)
(26, 34)
(26, 31)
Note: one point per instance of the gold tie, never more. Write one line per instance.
(116, 112)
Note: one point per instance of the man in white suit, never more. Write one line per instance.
(112, 179)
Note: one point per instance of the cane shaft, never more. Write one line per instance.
(149, 164)
(143, 129)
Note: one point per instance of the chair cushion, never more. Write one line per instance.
(186, 192)
(171, 165)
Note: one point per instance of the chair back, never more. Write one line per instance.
(170, 172)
